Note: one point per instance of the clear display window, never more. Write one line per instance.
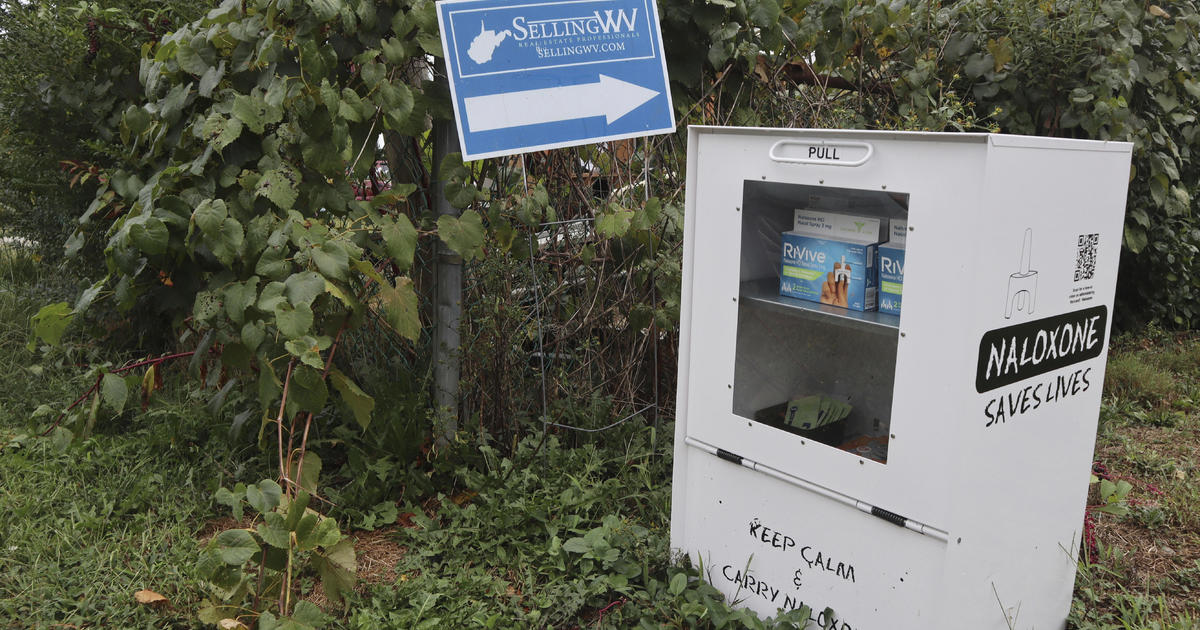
(821, 286)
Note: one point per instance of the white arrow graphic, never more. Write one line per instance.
(609, 97)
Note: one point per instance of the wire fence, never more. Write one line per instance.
(560, 333)
(569, 337)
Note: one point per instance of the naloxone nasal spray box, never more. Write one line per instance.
(891, 268)
(830, 258)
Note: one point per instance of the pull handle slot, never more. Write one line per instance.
(826, 149)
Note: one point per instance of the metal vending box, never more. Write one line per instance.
(923, 470)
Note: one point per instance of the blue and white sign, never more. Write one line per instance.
(542, 75)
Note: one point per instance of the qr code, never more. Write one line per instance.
(1085, 257)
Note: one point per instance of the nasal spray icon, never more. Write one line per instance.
(841, 272)
(1022, 286)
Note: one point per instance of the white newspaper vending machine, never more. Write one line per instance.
(890, 370)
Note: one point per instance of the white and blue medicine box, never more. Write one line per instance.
(891, 268)
(830, 258)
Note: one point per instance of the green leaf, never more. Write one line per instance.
(303, 287)
(504, 234)
(1166, 101)
(272, 263)
(1115, 509)
(330, 96)
(325, 10)
(359, 402)
(394, 49)
(309, 615)
(172, 104)
(264, 496)
(332, 260)
(460, 193)
(463, 234)
(678, 583)
(51, 321)
(190, 59)
(150, 236)
(209, 215)
(399, 103)
(214, 614)
(293, 321)
(232, 499)
(337, 567)
(280, 185)
(577, 545)
(206, 306)
(236, 546)
(255, 112)
(306, 525)
(308, 350)
(342, 295)
(400, 308)
(271, 297)
(74, 243)
(226, 244)
(431, 44)
(273, 533)
(365, 268)
(396, 194)
(115, 392)
(350, 106)
(1135, 239)
(764, 13)
(400, 239)
(89, 295)
(373, 73)
(252, 335)
(239, 297)
(978, 64)
(136, 119)
(614, 221)
(296, 510)
(322, 156)
(310, 473)
(308, 390)
(325, 534)
(211, 78)
(1192, 86)
(220, 130)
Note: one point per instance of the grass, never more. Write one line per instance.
(1147, 571)
(86, 524)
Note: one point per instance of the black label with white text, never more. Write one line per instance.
(1016, 353)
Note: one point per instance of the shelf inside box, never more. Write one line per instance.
(765, 292)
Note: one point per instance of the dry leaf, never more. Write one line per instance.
(1181, 474)
(1158, 11)
(464, 497)
(231, 624)
(760, 69)
(150, 598)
